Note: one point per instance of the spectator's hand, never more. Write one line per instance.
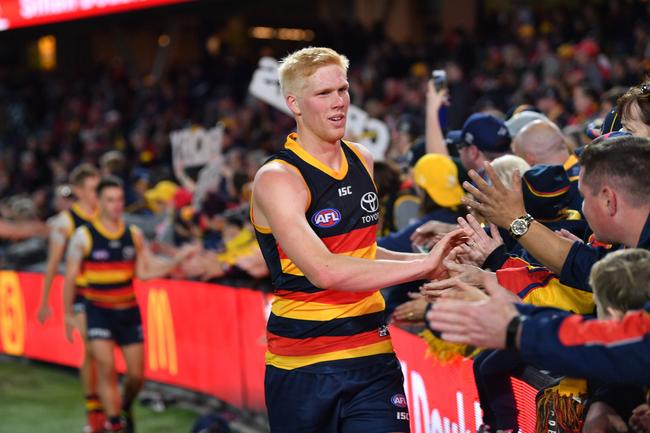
(413, 310)
(640, 419)
(44, 313)
(441, 250)
(429, 233)
(480, 243)
(564, 233)
(435, 98)
(602, 418)
(481, 324)
(500, 205)
(70, 325)
(452, 288)
(188, 250)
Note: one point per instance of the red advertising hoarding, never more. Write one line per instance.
(22, 13)
(211, 338)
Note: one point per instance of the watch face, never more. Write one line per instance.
(519, 227)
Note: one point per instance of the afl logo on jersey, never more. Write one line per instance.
(398, 400)
(370, 202)
(326, 218)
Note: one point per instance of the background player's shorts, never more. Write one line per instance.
(368, 399)
(122, 326)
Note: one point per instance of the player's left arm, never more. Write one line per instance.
(382, 253)
(148, 265)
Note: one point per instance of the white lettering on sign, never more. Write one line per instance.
(196, 146)
(429, 420)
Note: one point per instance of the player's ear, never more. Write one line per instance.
(293, 104)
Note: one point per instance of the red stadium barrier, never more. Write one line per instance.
(211, 338)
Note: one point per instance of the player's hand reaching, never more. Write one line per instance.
(441, 250)
(70, 325)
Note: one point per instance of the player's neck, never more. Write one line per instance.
(328, 152)
(111, 224)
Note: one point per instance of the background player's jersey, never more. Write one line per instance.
(64, 224)
(109, 266)
(320, 328)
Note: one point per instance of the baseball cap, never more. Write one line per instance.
(546, 191)
(517, 122)
(163, 191)
(486, 132)
(438, 176)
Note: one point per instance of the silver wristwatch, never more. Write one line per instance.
(520, 226)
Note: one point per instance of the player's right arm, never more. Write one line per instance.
(77, 249)
(60, 230)
(279, 201)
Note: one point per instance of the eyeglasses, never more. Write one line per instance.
(462, 145)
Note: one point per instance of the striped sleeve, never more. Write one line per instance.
(612, 351)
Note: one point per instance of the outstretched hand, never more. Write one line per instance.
(481, 324)
(497, 203)
(442, 250)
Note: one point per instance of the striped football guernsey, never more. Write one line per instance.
(309, 326)
(77, 219)
(109, 266)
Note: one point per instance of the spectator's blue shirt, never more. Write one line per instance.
(577, 266)
(401, 241)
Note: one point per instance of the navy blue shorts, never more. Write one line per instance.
(122, 326)
(79, 304)
(361, 400)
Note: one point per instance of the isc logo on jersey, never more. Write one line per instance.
(326, 218)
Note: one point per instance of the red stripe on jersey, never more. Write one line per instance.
(576, 331)
(112, 306)
(319, 345)
(335, 297)
(109, 266)
(354, 240)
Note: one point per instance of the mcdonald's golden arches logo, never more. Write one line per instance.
(161, 338)
(12, 314)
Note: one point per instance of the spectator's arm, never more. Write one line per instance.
(501, 206)
(613, 351)
(22, 230)
(435, 141)
(149, 266)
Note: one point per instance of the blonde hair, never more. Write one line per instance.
(506, 165)
(300, 64)
(621, 280)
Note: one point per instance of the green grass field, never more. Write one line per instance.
(36, 398)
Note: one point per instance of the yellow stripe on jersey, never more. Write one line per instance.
(115, 299)
(292, 362)
(303, 310)
(114, 276)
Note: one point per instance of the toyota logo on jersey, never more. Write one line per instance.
(370, 202)
(326, 218)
